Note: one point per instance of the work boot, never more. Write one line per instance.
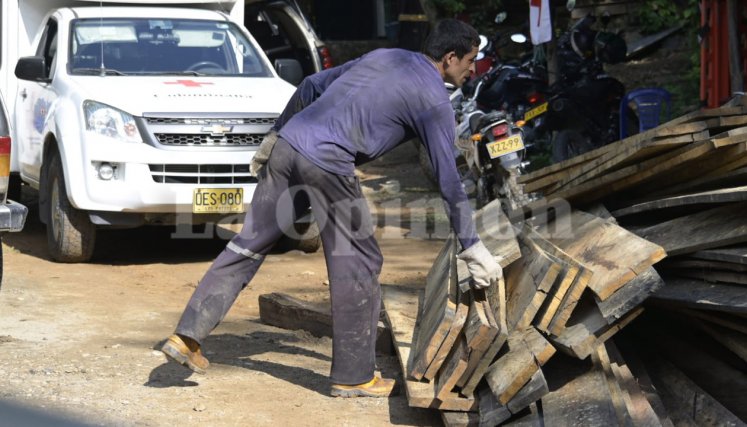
(185, 351)
(377, 387)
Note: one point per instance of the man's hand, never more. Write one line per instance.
(481, 265)
(263, 153)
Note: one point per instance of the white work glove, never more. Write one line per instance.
(263, 153)
(481, 264)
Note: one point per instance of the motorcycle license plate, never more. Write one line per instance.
(504, 146)
(536, 111)
(218, 200)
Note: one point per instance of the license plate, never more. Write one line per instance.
(218, 200)
(505, 146)
(534, 112)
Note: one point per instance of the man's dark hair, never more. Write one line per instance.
(448, 35)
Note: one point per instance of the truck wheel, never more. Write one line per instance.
(70, 233)
(14, 187)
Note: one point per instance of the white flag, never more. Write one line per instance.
(540, 26)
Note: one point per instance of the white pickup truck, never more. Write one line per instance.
(133, 115)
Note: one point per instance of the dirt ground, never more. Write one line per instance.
(80, 340)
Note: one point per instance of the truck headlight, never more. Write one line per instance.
(109, 121)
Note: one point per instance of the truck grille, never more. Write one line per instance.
(219, 132)
(201, 174)
(230, 140)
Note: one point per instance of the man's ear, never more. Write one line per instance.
(448, 57)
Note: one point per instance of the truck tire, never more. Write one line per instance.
(70, 234)
(14, 187)
(308, 239)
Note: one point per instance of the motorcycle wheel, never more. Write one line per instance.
(569, 143)
(514, 193)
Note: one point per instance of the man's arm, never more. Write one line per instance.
(436, 129)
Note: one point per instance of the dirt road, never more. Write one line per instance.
(80, 339)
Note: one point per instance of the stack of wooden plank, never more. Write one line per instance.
(570, 285)
(578, 267)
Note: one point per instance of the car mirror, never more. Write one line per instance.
(32, 68)
(289, 70)
(499, 18)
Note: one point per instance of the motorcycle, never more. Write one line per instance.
(581, 111)
(490, 152)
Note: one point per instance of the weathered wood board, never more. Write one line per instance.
(706, 296)
(493, 413)
(527, 351)
(614, 255)
(630, 296)
(401, 307)
(723, 195)
(713, 228)
(284, 311)
(737, 255)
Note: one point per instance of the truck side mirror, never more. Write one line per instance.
(289, 70)
(33, 68)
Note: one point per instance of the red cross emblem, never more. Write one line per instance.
(188, 83)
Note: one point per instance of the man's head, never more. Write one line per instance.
(453, 46)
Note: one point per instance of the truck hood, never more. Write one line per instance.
(140, 95)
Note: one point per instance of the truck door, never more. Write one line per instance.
(33, 107)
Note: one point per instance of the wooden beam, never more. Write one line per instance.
(630, 296)
(724, 195)
(284, 311)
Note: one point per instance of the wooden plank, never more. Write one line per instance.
(582, 400)
(563, 300)
(734, 341)
(704, 409)
(455, 329)
(587, 329)
(493, 413)
(401, 307)
(453, 369)
(497, 301)
(631, 175)
(527, 351)
(702, 264)
(638, 380)
(497, 233)
(713, 276)
(707, 296)
(707, 181)
(437, 313)
(630, 296)
(737, 255)
(460, 419)
(639, 408)
(722, 319)
(527, 283)
(284, 311)
(724, 195)
(613, 254)
(618, 399)
(480, 331)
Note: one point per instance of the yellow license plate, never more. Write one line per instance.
(534, 112)
(505, 146)
(218, 200)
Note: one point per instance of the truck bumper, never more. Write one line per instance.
(12, 216)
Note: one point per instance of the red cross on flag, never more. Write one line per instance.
(540, 27)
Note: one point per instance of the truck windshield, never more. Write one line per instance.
(162, 46)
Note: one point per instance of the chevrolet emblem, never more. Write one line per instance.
(217, 130)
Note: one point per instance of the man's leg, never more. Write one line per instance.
(237, 264)
(353, 264)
